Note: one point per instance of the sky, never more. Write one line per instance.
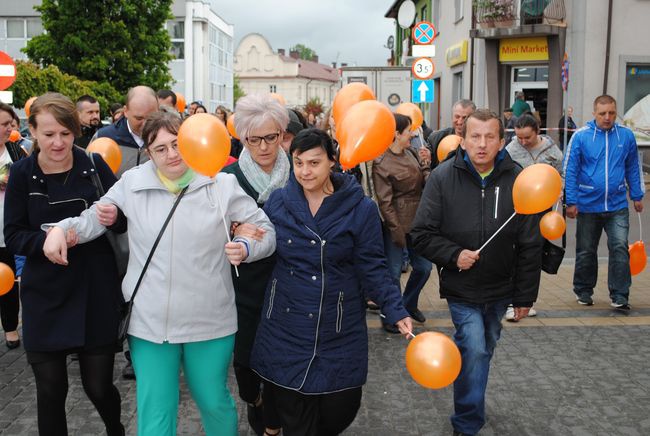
(351, 31)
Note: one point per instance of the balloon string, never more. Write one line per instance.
(409, 332)
(640, 227)
(497, 232)
(223, 218)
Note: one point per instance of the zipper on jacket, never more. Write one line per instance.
(169, 289)
(320, 307)
(271, 298)
(339, 313)
(496, 202)
(482, 217)
(60, 201)
(606, 168)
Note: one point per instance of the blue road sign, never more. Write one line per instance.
(422, 91)
(424, 33)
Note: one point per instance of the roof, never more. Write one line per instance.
(313, 70)
(392, 11)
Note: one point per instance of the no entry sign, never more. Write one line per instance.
(7, 71)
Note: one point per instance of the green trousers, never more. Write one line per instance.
(205, 366)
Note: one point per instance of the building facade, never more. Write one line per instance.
(262, 70)
(202, 46)
(488, 50)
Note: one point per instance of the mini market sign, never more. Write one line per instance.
(523, 49)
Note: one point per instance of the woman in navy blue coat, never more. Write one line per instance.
(66, 309)
(312, 342)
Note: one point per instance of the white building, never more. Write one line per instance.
(201, 44)
(261, 70)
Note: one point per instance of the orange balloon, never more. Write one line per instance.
(204, 143)
(279, 98)
(109, 151)
(28, 105)
(14, 136)
(638, 258)
(347, 97)
(536, 189)
(448, 144)
(180, 102)
(552, 225)
(365, 133)
(7, 278)
(413, 111)
(433, 360)
(230, 124)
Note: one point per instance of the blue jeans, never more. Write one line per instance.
(589, 228)
(478, 327)
(419, 275)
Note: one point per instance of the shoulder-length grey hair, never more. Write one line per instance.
(254, 110)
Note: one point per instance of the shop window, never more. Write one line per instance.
(637, 84)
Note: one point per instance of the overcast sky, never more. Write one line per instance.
(354, 30)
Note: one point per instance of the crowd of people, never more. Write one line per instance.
(272, 263)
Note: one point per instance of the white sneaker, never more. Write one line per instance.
(510, 314)
(532, 312)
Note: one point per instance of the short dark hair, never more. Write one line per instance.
(157, 121)
(114, 107)
(86, 99)
(527, 120)
(484, 115)
(402, 122)
(166, 93)
(604, 99)
(4, 107)
(311, 138)
(200, 106)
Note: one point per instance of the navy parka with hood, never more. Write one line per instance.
(313, 336)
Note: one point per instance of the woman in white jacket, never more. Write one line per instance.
(184, 312)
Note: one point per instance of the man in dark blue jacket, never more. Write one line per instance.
(600, 165)
(140, 102)
(466, 199)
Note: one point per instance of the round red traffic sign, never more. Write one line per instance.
(423, 68)
(7, 71)
(424, 33)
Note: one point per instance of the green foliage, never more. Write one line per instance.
(303, 51)
(31, 81)
(237, 91)
(314, 106)
(121, 42)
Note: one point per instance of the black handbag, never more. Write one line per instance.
(552, 255)
(119, 241)
(127, 307)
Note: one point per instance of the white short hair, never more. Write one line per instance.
(255, 109)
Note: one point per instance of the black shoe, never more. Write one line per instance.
(416, 315)
(127, 372)
(255, 418)
(585, 300)
(621, 306)
(12, 344)
(390, 328)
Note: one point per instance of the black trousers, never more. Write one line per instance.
(250, 386)
(315, 415)
(10, 302)
(51, 375)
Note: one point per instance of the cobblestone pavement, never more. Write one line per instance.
(571, 370)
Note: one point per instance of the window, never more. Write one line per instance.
(178, 50)
(637, 84)
(423, 13)
(273, 88)
(34, 27)
(16, 28)
(531, 74)
(435, 13)
(458, 5)
(457, 86)
(176, 30)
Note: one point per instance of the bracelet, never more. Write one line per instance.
(245, 242)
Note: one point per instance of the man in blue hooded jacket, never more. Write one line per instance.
(600, 165)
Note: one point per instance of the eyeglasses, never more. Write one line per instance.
(163, 150)
(256, 141)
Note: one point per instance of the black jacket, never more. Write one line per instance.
(87, 133)
(459, 211)
(70, 306)
(434, 139)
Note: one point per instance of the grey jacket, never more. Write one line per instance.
(547, 153)
(187, 293)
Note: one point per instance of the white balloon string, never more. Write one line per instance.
(497, 232)
(640, 227)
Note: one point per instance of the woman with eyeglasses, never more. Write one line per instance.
(262, 168)
(184, 313)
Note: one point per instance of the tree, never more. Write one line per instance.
(123, 43)
(237, 90)
(31, 81)
(304, 52)
(314, 106)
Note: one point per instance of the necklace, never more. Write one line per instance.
(66, 176)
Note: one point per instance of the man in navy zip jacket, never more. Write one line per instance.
(466, 199)
(600, 165)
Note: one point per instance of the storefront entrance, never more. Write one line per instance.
(533, 81)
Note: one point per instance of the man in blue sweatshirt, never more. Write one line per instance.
(600, 165)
